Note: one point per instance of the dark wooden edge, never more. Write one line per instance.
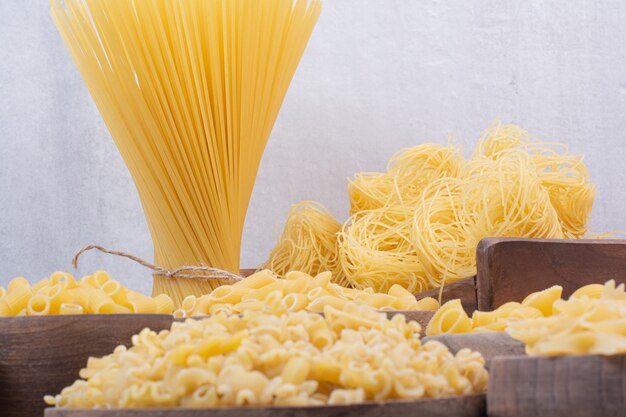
(562, 386)
(460, 406)
(492, 252)
(490, 345)
(246, 272)
(554, 359)
(56, 317)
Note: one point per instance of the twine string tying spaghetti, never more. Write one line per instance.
(210, 272)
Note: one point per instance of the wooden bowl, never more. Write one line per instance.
(42, 355)
(566, 386)
(467, 406)
(511, 268)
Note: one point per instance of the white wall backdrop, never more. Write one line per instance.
(377, 76)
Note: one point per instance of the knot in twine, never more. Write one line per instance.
(182, 272)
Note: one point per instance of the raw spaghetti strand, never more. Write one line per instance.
(190, 91)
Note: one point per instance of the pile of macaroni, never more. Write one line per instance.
(297, 291)
(349, 355)
(452, 318)
(92, 294)
(591, 321)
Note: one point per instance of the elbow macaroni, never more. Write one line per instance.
(297, 291)
(62, 294)
(349, 355)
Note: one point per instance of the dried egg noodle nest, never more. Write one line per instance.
(308, 243)
(418, 223)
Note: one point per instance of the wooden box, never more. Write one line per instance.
(42, 355)
(511, 268)
(467, 406)
(567, 386)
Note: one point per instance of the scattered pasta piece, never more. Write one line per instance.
(350, 355)
(92, 294)
(591, 321)
(265, 291)
(451, 318)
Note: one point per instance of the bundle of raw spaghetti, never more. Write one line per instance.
(190, 91)
(308, 243)
(349, 355)
(92, 294)
(418, 224)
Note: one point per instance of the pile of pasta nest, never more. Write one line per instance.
(417, 224)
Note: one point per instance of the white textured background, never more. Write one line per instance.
(377, 76)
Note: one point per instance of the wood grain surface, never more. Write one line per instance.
(42, 355)
(568, 386)
(468, 406)
(511, 268)
(490, 345)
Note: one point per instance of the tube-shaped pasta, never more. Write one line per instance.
(179, 314)
(261, 293)
(380, 300)
(18, 296)
(98, 302)
(164, 304)
(257, 280)
(17, 282)
(41, 285)
(115, 290)
(66, 280)
(140, 303)
(70, 309)
(228, 294)
(4, 309)
(296, 371)
(38, 305)
(58, 295)
(318, 304)
(295, 301)
(321, 280)
(3, 293)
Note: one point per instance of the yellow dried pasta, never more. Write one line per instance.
(62, 294)
(451, 318)
(418, 223)
(265, 291)
(591, 321)
(349, 355)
